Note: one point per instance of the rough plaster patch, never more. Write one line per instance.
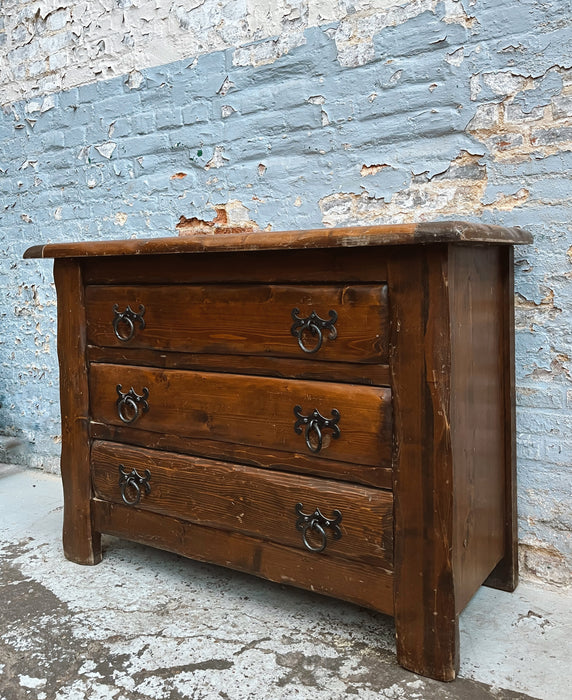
(218, 159)
(543, 562)
(460, 187)
(372, 169)
(232, 217)
(513, 134)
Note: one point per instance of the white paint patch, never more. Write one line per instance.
(456, 57)
(106, 149)
(33, 683)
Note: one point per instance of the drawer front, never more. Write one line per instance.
(353, 422)
(345, 323)
(354, 522)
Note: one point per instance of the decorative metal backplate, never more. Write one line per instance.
(315, 423)
(317, 523)
(315, 325)
(124, 322)
(131, 482)
(130, 405)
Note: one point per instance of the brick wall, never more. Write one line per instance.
(120, 118)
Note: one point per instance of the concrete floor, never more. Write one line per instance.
(148, 624)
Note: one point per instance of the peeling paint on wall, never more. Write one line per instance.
(50, 45)
(232, 217)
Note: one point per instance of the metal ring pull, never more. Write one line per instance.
(315, 325)
(129, 404)
(133, 481)
(316, 522)
(315, 423)
(127, 319)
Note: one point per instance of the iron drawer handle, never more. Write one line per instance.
(316, 522)
(315, 423)
(129, 404)
(315, 325)
(127, 319)
(133, 481)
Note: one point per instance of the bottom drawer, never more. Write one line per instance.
(353, 522)
(363, 584)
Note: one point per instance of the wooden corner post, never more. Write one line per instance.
(426, 620)
(81, 543)
(505, 575)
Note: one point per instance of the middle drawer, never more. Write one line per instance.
(346, 423)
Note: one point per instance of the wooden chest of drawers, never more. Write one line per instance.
(330, 409)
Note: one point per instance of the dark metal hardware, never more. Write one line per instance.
(315, 325)
(134, 482)
(317, 523)
(126, 320)
(129, 404)
(315, 423)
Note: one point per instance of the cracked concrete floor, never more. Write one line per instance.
(149, 624)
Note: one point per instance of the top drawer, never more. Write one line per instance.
(344, 323)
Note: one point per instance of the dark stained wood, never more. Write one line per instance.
(346, 266)
(425, 616)
(81, 542)
(369, 586)
(477, 415)
(263, 457)
(347, 372)
(243, 319)
(427, 415)
(253, 501)
(356, 236)
(505, 574)
(256, 411)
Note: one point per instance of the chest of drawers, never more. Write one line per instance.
(331, 409)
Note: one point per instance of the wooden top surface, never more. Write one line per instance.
(349, 237)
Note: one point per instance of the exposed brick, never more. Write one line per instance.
(548, 137)
(486, 117)
(515, 114)
(505, 142)
(562, 106)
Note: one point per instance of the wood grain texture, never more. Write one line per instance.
(346, 266)
(81, 542)
(285, 368)
(477, 414)
(425, 617)
(426, 412)
(348, 580)
(244, 319)
(357, 236)
(253, 501)
(263, 457)
(256, 411)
